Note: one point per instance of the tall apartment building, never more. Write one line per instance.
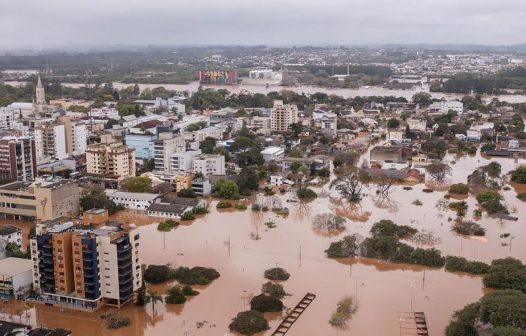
(76, 135)
(50, 142)
(209, 164)
(85, 268)
(17, 159)
(282, 116)
(7, 117)
(114, 160)
(329, 124)
(56, 198)
(164, 147)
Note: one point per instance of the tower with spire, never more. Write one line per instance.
(39, 105)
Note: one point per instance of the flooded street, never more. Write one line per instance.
(383, 290)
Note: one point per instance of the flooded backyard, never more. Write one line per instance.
(225, 241)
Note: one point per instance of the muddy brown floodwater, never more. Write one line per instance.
(382, 290)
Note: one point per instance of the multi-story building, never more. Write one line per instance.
(183, 181)
(329, 124)
(143, 144)
(17, 202)
(262, 123)
(17, 159)
(209, 164)
(417, 124)
(114, 160)
(282, 116)
(50, 142)
(103, 112)
(85, 268)
(183, 161)
(76, 135)
(164, 147)
(7, 118)
(446, 106)
(56, 198)
(134, 201)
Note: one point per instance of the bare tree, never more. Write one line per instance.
(328, 224)
(438, 171)
(351, 186)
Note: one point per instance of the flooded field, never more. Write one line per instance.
(225, 241)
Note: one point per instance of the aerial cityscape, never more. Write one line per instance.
(282, 168)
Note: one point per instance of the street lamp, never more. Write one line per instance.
(412, 298)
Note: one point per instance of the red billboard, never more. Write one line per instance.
(218, 77)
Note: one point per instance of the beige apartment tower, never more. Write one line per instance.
(114, 160)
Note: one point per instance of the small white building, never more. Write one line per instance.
(473, 135)
(446, 106)
(395, 135)
(276, 180)
(417, 124)
(272, 153)
(104, 112)
(16, 276)
(133, 201)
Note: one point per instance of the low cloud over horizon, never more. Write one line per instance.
(96, 23)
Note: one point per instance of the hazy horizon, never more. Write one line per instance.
(60, 24)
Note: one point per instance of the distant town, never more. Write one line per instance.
(177, 192)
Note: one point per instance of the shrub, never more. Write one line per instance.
(223, 205)
(427, 190)
(263, 303)
(276, 273)
(200, 210)
(175, 295)
(506, 273)
(507, 331)
(166, 225)
(264, 208)
(256, 207)
(459, 207)
(519, 175)
(189, 291)
(459, 264)
(493, 207)
(195, 275)
(427, 257)
(522, 196)
(186, 193)
(504, 308)
(156, 274)
(487, 196)
(463, 322)
(459, 188)
(188, 215)
(328, 223)
(417, 202)
(273, 290)
(227, 189)
(468, 228)
(348, 247)
(249, 323)
(342, 313)
(386, 227)
(241, 206)
(116, 321)
(306, 193)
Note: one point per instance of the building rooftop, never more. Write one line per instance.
(12, 266)
(11, 328)
(130, 195)
(16, 186)
(8, 229)
(48, 332)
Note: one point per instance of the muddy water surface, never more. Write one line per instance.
(225, 241)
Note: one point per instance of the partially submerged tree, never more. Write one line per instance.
(351, 186)
(328, 224)
(438, 172)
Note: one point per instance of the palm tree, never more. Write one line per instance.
(153, 297)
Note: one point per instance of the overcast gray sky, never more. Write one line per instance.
(58, 23)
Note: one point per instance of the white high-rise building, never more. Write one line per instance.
(207, 165)
(164, 147)
(282, 116)
(183, 161)
(50, 142)
(7, 118)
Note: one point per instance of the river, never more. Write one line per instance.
(346, 93)
(382, 290)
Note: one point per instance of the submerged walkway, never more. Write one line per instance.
(294, 314)
(413, 324)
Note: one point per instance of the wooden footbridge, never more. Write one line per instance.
(294, 314)
(413, 324)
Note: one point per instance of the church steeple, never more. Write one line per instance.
(40, 98)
